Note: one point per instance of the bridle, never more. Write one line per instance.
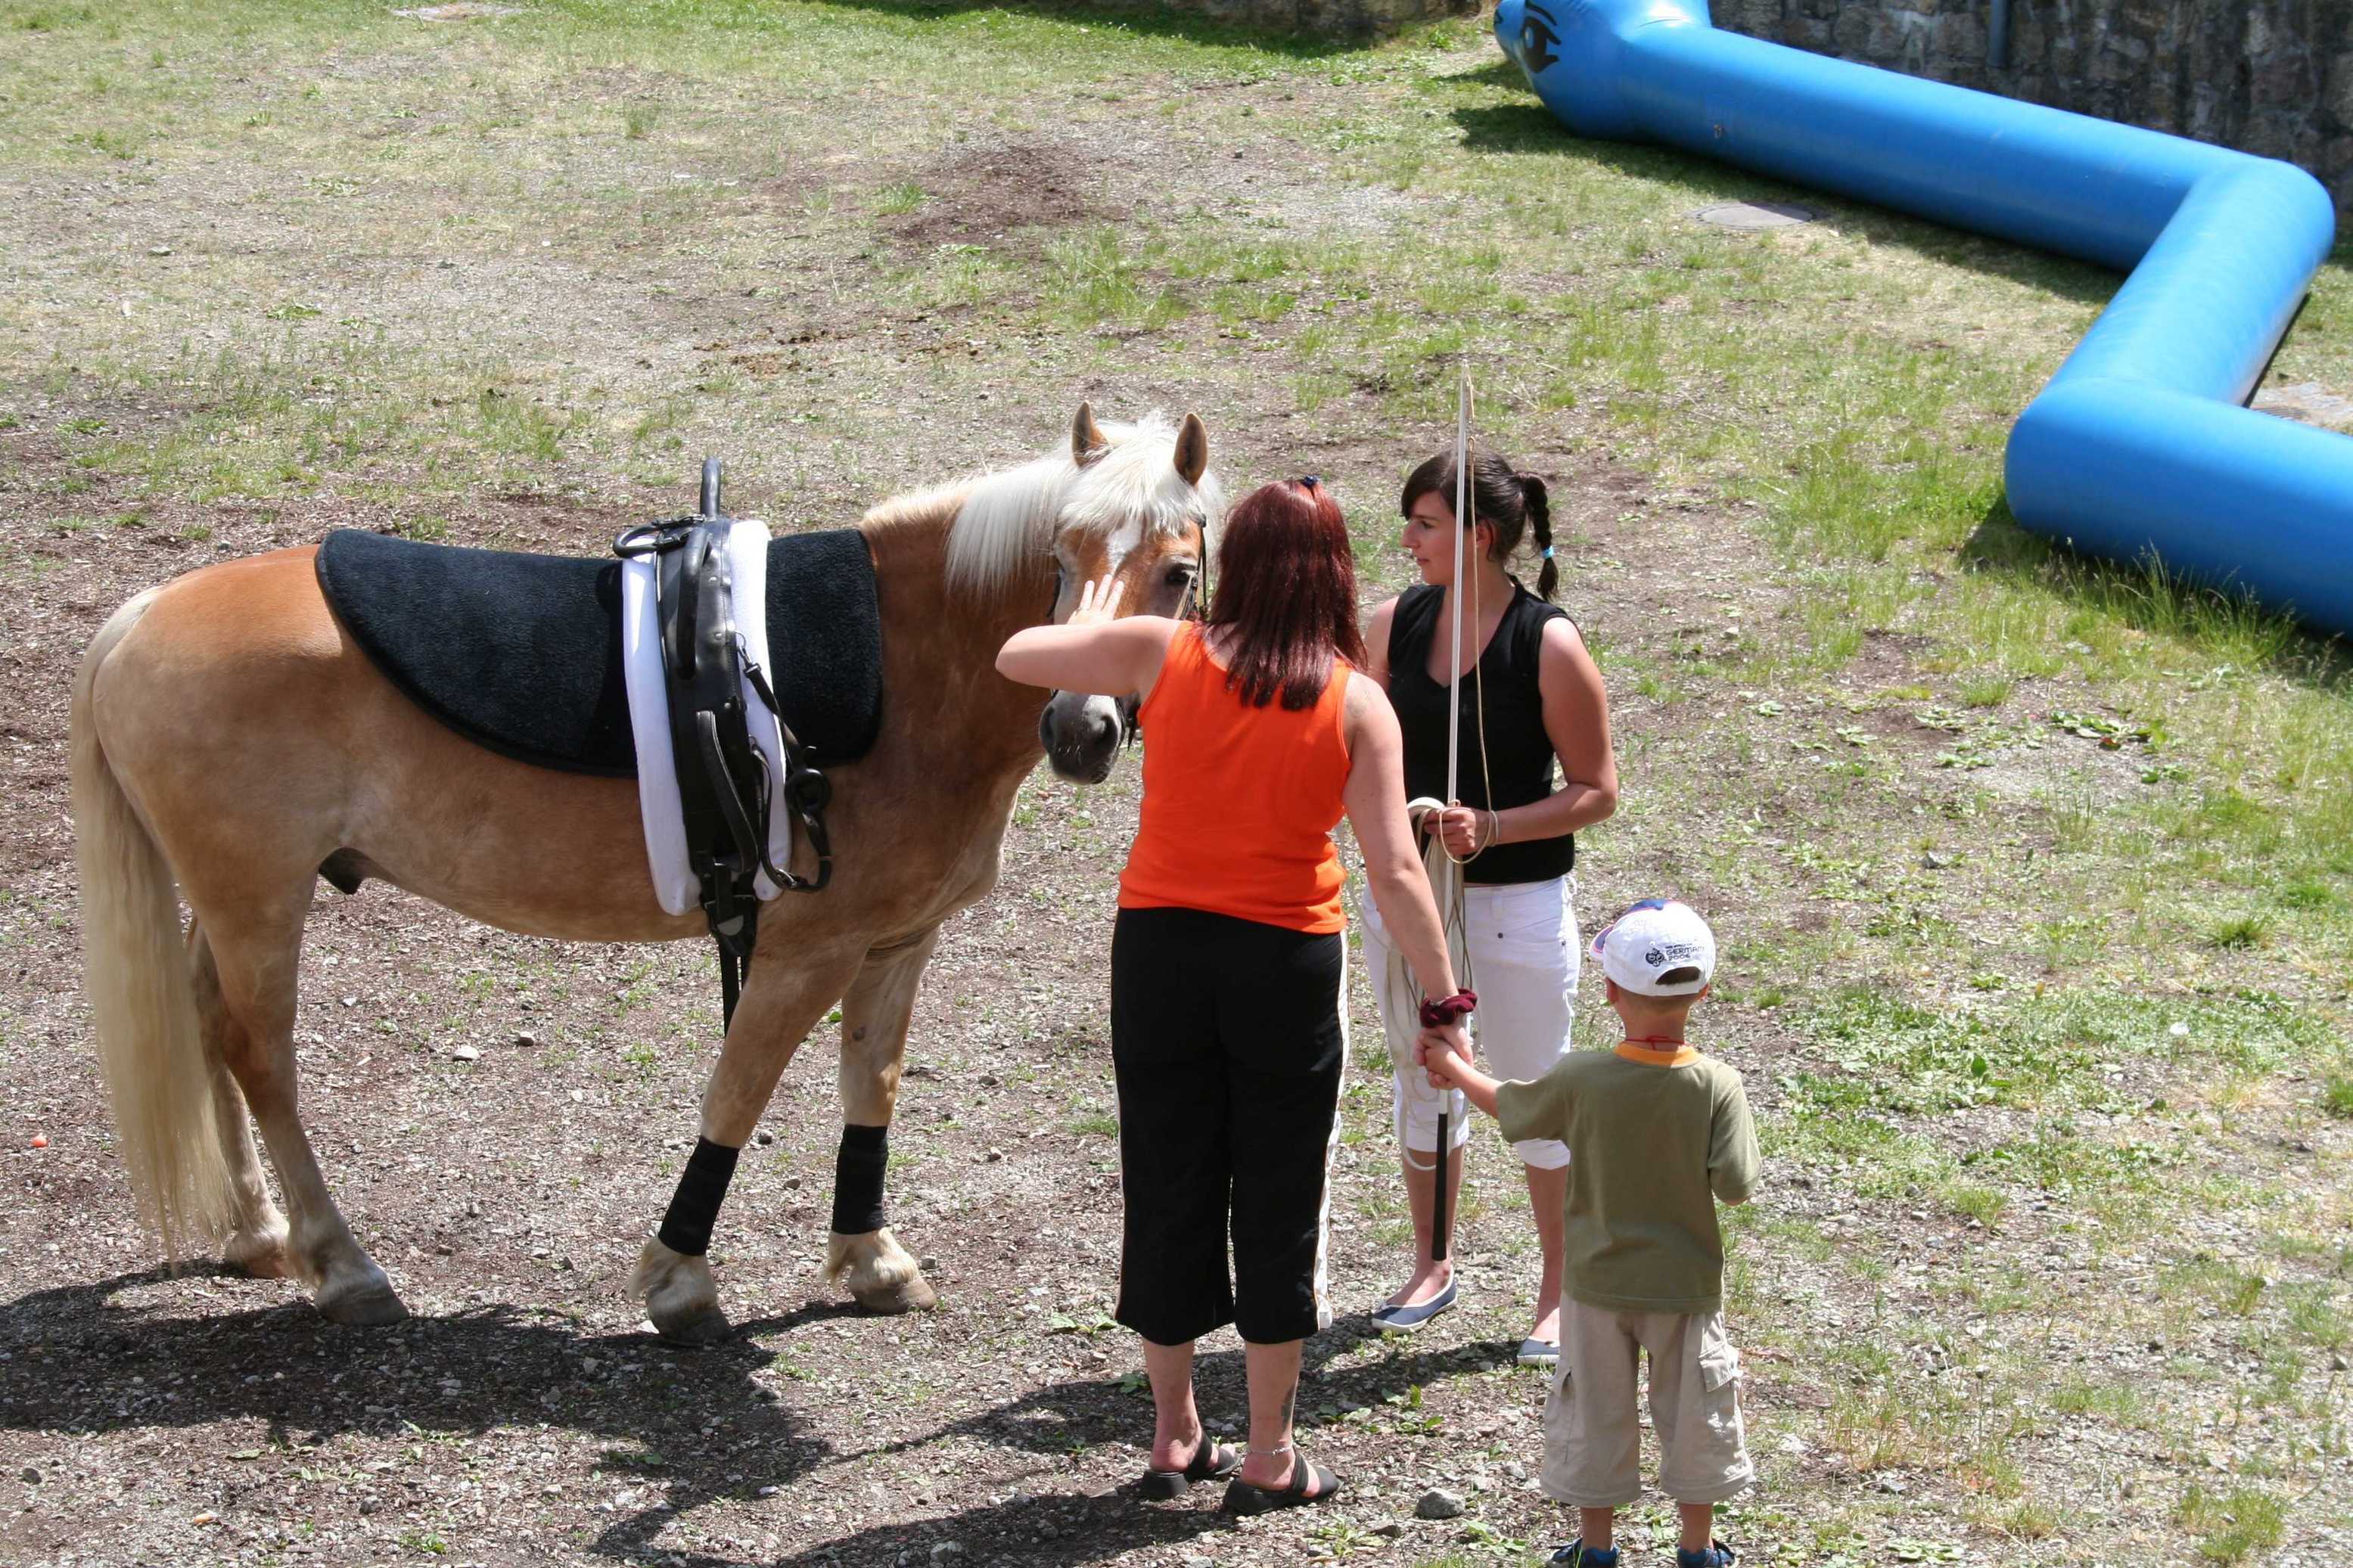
(1195, 606)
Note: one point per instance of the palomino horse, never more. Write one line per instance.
(230, 739)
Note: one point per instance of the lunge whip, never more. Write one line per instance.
(1451, 895)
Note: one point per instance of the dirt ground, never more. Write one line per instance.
(502, 1117)
(525, 1414)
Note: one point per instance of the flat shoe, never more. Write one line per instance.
(1539, 1352)
(1249, 1498)
(1211, 1461)
(1404, 1319)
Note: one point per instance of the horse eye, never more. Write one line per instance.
(1180, 576)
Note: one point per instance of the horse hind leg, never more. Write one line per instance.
(256, 1242)
(861, 1253)
(253, 978)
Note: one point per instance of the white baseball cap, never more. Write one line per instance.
(1655, 937)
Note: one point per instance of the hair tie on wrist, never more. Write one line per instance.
(1446, 1010)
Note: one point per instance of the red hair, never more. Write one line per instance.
(1286, 593)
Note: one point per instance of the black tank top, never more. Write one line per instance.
(1519, 752)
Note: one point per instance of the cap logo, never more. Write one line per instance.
(1679, 952)
(1654, 958)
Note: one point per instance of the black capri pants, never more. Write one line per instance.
(1229, 1038)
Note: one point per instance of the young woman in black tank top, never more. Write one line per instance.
(1531, 693)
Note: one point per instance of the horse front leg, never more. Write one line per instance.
(862, 1253)
(782, 1001)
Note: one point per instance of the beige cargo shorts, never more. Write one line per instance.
(1593, 1439)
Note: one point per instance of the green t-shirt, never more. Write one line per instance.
(1655, 1138)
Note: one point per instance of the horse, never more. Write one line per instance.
(232, 746)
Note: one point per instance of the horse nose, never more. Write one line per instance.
(1082, 735)
(1080, 725)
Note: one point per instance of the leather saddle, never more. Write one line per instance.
(521, 653)
(724, 776)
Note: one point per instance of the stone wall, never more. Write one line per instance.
(2273, 77)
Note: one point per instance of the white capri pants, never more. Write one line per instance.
(1523, 948)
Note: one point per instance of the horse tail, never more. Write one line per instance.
(143, 1000)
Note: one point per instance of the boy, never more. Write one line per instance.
(1654, 1128)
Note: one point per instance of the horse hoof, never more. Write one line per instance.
(370, 1306)
(914, 1295)
(696, 1328)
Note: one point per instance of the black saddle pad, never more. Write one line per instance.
(523, 653)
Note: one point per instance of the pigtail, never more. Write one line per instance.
(1539, 509)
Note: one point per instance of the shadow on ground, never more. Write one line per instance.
(1149, 21)
(695, 1421)
(1062, 1418)
(1064, 1528)
(694, 1425)
(2149, 599)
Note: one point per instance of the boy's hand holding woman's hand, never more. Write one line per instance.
(1444, 1055)
(1439, 1050)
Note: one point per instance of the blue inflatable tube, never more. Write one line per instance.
(2140, 445)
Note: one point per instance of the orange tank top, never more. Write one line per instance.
(1239, 802)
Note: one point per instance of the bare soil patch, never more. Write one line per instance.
(989, 192)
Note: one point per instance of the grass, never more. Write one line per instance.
(2337, 1097)
(2239, 931)
(902, 197)
(2234, 1526)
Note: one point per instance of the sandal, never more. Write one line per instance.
(1250, 1498)
(1211, 1461)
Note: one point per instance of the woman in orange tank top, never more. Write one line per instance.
(1229, 1006)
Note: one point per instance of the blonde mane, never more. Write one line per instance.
(1012, 518)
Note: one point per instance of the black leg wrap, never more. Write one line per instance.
(858, 1179)
(694, 1207)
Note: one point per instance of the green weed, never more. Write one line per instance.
(2239, 931)
(902, 197)
(2234, 1527)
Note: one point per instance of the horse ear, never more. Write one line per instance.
(1192, 449)
(1087, 440)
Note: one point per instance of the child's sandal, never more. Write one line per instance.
(1576, 1554)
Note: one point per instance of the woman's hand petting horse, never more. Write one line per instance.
(1091, 652)
(1098, 602)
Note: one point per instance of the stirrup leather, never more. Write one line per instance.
(723, 778)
